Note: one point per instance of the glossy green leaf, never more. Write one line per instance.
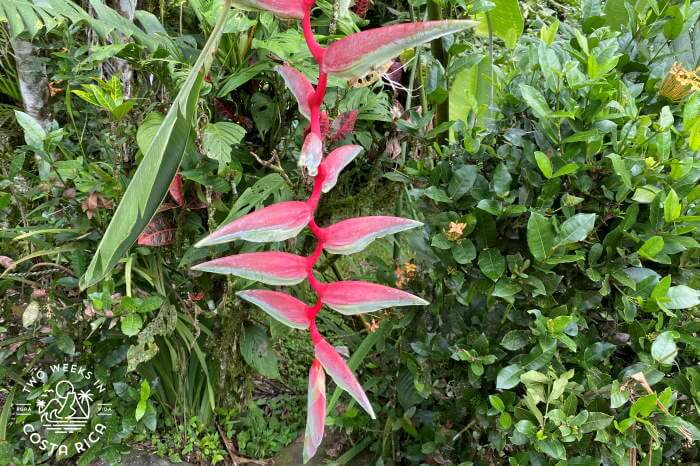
(540, 236)
(575, 229)
(492, 264)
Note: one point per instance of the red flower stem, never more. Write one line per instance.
(315, 102)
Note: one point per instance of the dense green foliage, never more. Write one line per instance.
(560, 249)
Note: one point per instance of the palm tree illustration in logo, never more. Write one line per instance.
(67, 411)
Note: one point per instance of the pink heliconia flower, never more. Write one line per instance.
(282, 8)
(277, 222)
(357, 297)
(311, 153)
(341, 374)
(357, 54)
(272, 268)
(299, 85)
(336, 161)
(281, 306)
(316, 410)
(351, 57)
(355, 234)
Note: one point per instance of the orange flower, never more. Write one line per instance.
(456, 231)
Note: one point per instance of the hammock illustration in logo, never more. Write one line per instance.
(66, 411)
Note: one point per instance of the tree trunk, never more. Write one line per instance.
(126, 8)
(442, 113)
(33, 83)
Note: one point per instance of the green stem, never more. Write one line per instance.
(442, 113)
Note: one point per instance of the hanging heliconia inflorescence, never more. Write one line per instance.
(349, 58)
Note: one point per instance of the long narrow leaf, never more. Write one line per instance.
(150, 184)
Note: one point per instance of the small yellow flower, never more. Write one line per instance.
(679, 83)
(650, 162)
(456, 231)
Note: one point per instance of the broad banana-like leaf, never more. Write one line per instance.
(311, 153)
(355, 297)
(336, 161)
(282, 8)
(277, 222)
(281, 306)
(316, 410)
(271, 268)
(156, 171)
(358, 54)
(299, 85)
(341, 374)
(355, 234)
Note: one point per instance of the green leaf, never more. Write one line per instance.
(437, 194)
(470, 90)
(492, 264)
(256, 350)
(34, 134)
(515, 340)
(544, 163)
(462, 181)
(575, 229)
(651, 247)
(664, 349)
(464, 252)
(616, 14)
(535, 101)
(502, 180)
(643, 406)
(682, 297)
(508, 377)
(505, 20)
(65, 344)
(540, 236)
(218, 139)
(131, 324)
(147, 130)
(552, 448)
(691, 120)
(672, 207)
(497, 403)
(621, 170)
(142, 405)
(596, 421)
(567, 169)
(150, 184)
